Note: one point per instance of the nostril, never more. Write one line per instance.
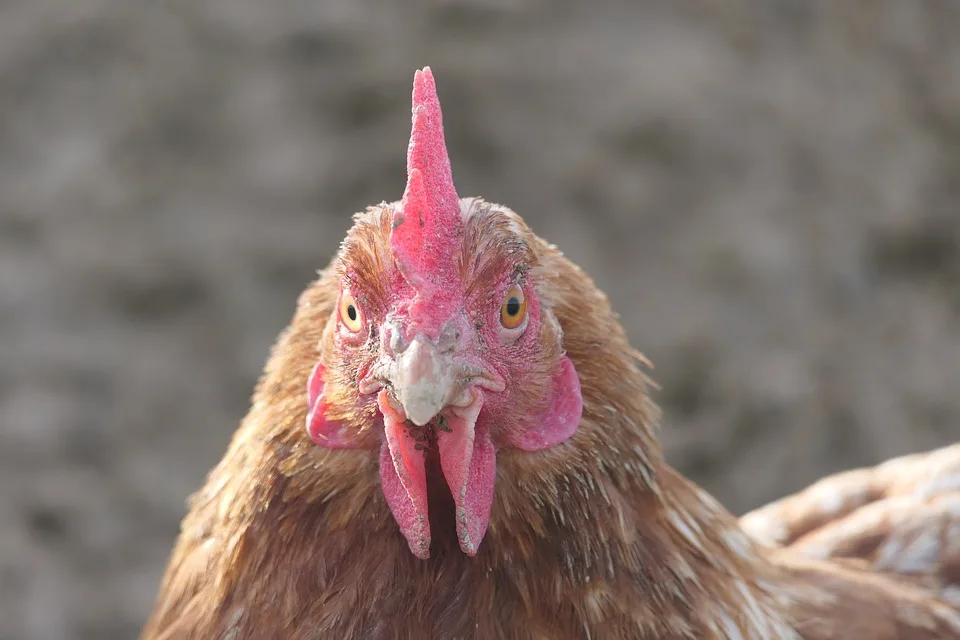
(449, 338)
(393, 340)
(396, 342)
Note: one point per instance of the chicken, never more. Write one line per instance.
(454, 439)
(901, 518)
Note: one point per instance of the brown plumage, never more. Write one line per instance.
(590, 533)
(900, 518)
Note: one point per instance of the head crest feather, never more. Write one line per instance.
(428, 223)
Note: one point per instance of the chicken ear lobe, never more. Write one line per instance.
(325, 431)
(560, 419)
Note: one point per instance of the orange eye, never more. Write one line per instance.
(513, 310)
(350, 313)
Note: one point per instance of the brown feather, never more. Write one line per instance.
(901, 518)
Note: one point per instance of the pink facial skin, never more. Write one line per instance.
(444, 371)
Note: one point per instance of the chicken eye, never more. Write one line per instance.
(350, 313)
(513, 310)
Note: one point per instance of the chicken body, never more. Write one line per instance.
(900, 518)
(323, 532)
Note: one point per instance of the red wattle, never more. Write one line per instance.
(404, 480)
(469, 464)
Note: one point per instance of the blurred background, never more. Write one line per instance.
(769, 192)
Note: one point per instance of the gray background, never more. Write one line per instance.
(767, 190)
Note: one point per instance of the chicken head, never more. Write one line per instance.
(441, 350)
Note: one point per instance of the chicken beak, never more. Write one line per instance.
(424, 380)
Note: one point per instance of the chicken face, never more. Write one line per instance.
(440, 337)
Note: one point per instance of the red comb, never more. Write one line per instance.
(428, 221)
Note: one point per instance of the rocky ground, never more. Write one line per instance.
(768, 191)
